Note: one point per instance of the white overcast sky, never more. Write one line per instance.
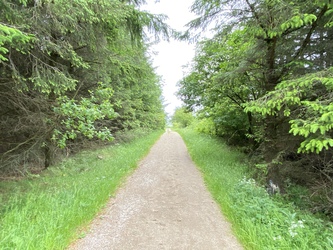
(171, 56)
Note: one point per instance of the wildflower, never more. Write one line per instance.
(292, 233)
(293, 227)
(300, 224)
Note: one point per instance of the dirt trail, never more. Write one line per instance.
(163, 205)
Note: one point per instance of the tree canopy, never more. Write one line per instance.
(265, 77)
(73, 71)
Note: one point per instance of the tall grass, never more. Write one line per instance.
(260, 221)
(46, 211)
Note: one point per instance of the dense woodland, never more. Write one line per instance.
(264, 82)
(73, 72)
(76, 72)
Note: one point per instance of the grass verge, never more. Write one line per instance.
(46, 211)
(259, 221)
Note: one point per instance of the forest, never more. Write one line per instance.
(77, 82)
(74, 74)
(263, 82)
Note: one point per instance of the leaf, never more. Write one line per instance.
(322, 130)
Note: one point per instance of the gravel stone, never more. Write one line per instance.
(164, 204)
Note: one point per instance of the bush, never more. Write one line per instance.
(182, 118)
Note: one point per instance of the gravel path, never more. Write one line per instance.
(163, 205)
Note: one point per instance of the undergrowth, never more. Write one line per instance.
(259, 221)
(49, 210)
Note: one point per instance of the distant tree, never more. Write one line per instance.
(182, 118)
(216, 89)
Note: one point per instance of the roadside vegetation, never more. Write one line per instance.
(73, 74)
(260, 221)
(50, 209)
(264, 82)
(77, 74)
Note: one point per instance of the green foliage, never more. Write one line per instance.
(260, 221)
(206, 126)
(12, 37)
(182, 118)
(216, 87)
(271, 224)
(79, 117)
(82, 73)
(48, 211)
(308, 102)
(217, 161)
(250, 54)
(270, 62)
(298, 21)
(258, 45)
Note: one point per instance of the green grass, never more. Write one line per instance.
(50, 210)
(259, 220)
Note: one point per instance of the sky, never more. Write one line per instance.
(170, 57)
